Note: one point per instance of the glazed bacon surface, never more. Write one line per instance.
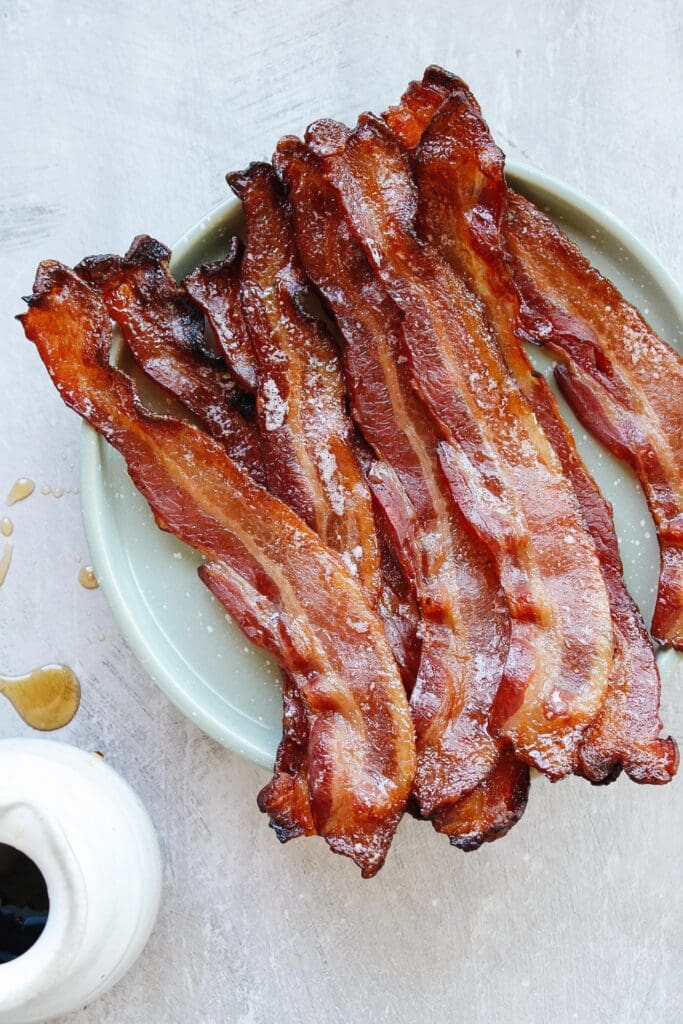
(286, 590)
(489, 811)
(305, 432)
(306, 439)
(165, 334)
(464, 620)
(623, 382)
(215, 288)
(161, 329)
(462, 199)
(501, 469)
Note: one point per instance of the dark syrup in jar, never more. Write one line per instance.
(24, 903)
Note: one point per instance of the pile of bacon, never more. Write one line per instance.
(383, 489)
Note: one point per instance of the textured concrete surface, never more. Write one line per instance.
(123, 117)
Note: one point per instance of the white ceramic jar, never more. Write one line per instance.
(96, 848)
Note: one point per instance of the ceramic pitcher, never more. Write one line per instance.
(93, 842)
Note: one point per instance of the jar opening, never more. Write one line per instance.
(24, 903)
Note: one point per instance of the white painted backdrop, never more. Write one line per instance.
(123, 117)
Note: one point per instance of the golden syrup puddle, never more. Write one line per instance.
(21, 489)
(46, 698)
(87, 578)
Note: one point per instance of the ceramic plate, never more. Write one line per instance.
(179, 631)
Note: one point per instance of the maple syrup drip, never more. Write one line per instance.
(46, 698)
(21, 489)
(6, 526)
(87, 578)
(5, 562)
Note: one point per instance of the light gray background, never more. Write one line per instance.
(123, 117)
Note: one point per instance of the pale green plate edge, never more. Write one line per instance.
(106, 556)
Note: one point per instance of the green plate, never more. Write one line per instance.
(177, 629)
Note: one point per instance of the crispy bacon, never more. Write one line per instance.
(307, 439)
(483, 816)
(500, 466)
(464, 619)
(215, 287)
(623, 382)
(165, 333)
(306, 435)
(490, 810)
(285, 589)
(462, 200)
(421, 100)
(154, 314)
(285, 797)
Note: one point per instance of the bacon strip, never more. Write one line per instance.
(623, 382)
(421, 100)
(483, 816)
(285, 589)
(165, 332)
(462, 199)
(153, 314)
(500, 466)
(464, 619)
(215, 287)
(307, 438)
(490, 810)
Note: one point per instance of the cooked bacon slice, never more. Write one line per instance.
(623, 382)
(311, 456)
(502, 471)
(490, 811)
(153, 313)
(464, 620)
(306, 435)
(282, 585)
(462, 201)
(307, 439)
(165, 332)
(483, 816)
(615, 363)
(421, 100)
(215, 288)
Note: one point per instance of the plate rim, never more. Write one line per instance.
(93, 493)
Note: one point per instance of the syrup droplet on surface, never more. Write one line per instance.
(45, 489)
(46, 698)
(58, 492)
(87, 578)
(21, 489)
(5, 562)
(6, 526)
